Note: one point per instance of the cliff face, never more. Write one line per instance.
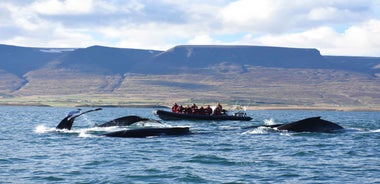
(255, 74)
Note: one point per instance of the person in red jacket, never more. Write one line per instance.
(218, 109)
(180, 109)
(208, 110)
(187, 110)
(202, 111)
(194, 109)
(174, 107)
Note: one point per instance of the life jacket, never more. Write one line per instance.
(174, 108)
(217, 111)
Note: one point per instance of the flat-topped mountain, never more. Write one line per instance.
(107, 59)
(21, 60)
(208, 73)
(202, 56)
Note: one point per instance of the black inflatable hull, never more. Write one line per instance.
(147, 132)
(170, 116)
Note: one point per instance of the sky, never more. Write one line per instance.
(334, 27)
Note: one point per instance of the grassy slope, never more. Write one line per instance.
(258, 87)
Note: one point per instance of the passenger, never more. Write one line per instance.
(202, 111)
(174, 107)
(194, 109)
(222, 111)
(179, 109)
(217, 111)
(220, 106)
(208, 110)
(187, 110)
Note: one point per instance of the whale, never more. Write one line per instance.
(123, 121)
(312, 124)
(67, 122)
(148, 132)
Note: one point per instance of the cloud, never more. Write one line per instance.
(275, 16)
(361, 39)
(56, 7)
(201, 39)
(246, 14)
(344, 27)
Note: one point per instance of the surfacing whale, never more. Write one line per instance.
(147, 132)
(123, 121)
(313, 124)
(68, 121)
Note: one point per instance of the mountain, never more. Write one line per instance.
(202, 56)
(108, 60)
(369, 65)
(278, 57)
(20, 60)
(255, 75)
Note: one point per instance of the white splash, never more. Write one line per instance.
(239, 108)
(105, 129)
(150, 124)
(40, 129)
(229, 128)
(269, 121)
(85, 134)
(259, 130)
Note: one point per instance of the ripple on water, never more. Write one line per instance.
(215, 152)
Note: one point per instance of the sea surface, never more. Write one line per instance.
(33, 151)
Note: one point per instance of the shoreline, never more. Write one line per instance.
(316, 108)
(263, 107)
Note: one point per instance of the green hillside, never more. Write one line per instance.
(122, 77)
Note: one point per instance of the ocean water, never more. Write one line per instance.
(33, 151)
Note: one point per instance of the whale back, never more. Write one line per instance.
(123, 121)
(147, 132)
(314, 124)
